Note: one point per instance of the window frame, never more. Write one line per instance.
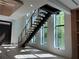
(57, 26)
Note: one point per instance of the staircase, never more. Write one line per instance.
(44, 13)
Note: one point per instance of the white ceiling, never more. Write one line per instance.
(66, 4)
(70, 3)
(24, 9)
(27, 8)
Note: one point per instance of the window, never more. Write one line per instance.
(41, 36)
(33, 40)
(59, 31)
(44, 32)
(37, 37)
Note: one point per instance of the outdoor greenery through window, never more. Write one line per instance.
(59, 31)
(37, 37)
(44, 32)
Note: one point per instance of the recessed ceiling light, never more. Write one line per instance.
(27, 14)
(0, 51)
(8, 50)
(31, 5)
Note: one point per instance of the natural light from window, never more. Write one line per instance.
(8, 50)
(25, 56)
(45, 55)
(0, 51)
(27, 47)
(59, 31)
(25, 50)
(32, 50)
(9, 47)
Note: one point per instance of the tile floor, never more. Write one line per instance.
(11, 52)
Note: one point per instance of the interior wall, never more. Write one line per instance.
(67, 52)
(19, 24)
(57, 4)
(50, 46)
(17, 27)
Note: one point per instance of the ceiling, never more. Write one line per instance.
(30, 5)
(7, 7)
(72, 4)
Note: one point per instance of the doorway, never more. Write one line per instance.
(5, 32)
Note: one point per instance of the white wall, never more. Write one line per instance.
(68, 50)
(19, 22)
(68, 40)
(68, 47)
(50, 46)
(57, 4)
(17, 26)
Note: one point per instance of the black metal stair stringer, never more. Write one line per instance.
(50, 10)
(37, 28)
